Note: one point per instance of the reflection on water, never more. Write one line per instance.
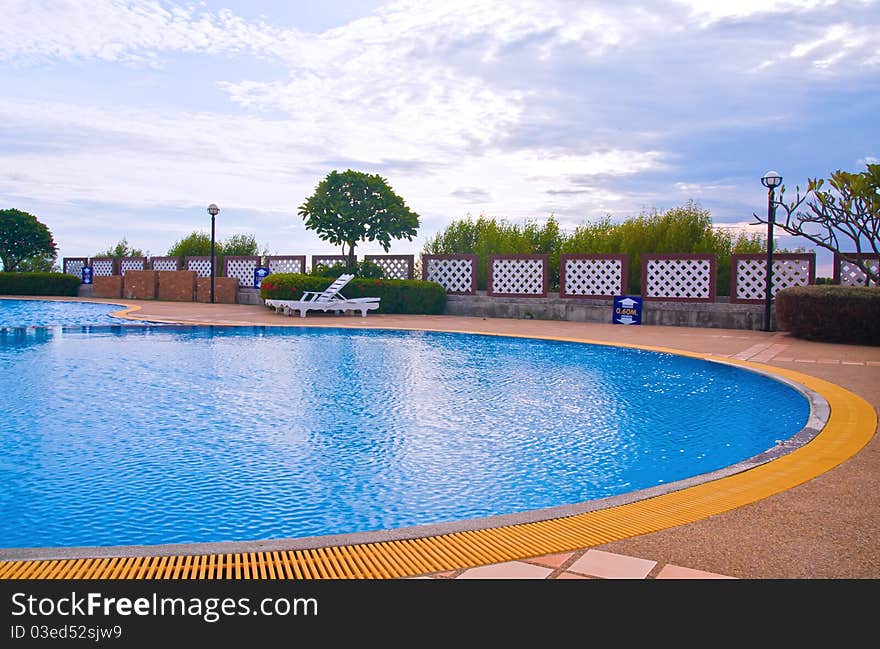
(144, 435)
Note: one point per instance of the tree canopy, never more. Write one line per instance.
(122, 249)
(242, 245)
(25, 242)
(844, 217)
(198, 244)
(195, 244)
(352, 206)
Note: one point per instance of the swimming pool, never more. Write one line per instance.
(197, 434)
(60, 313)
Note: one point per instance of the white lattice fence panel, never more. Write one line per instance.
(852, 275)
(751, 276)
(242, 270)
(518, 276)
(455, 275)
(201, 266)
(130, 264)
(164, 263)
(74, 267)
(392, 268)
(286, 266)
(682, 279)
(102, 267)
(593, 276)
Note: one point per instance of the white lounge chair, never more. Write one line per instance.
(330, 299)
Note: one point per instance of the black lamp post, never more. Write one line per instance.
(771, 181)
(213, 210)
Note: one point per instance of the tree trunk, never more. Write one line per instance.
(350, 263)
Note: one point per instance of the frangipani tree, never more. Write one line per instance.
(353, 206)
(842, 216)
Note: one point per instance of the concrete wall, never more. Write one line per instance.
(109, 286)
(177, 285)
(249, 296)
(719, 314)
(140, 284)
(225, 290)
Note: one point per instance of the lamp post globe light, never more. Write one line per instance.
(771, 181)
(213, 210)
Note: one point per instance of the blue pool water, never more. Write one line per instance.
(149, 435)
(43, 313)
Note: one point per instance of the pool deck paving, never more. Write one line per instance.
(827, 527)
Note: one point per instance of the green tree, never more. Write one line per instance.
(23, 239)
(198, 244)
(38, 265)
(195, 244)
(242, 245)
(490, 236)
(843, 218)
(122, 249)
(353, 206)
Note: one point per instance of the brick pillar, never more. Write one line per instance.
(177, 285)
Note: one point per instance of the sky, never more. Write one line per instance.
(123, 119)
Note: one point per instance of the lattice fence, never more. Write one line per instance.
(394, 266)
(684, 277)
(131, 263)
(165, 263)
(328, 260)
(748, 274)
(242, 268)
(456, 273)
(74, 265)
(103, 266)
(517, 275)
(592, 275)
(286, 264)
(846, 273)
(202, 265)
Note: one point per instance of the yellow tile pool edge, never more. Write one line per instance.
(851, 424)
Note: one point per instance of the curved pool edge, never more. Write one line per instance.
(127, 307)
(849, 423)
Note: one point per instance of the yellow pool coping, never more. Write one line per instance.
(850, 425)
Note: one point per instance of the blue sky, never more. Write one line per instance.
(126, 119)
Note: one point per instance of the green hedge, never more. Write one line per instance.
(39, 284)
(845, 314)
(397, 295)
(362, 269)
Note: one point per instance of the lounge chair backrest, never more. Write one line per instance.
(334, 288)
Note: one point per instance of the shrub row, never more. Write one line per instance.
(39, 284)
(362, 269)
(396, 295)
(845, 314)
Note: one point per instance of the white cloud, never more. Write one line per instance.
(712, 10)
(838, 42)
(156, 163)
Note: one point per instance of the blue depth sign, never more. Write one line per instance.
(627, 310)
(259, 273)
(86, 275)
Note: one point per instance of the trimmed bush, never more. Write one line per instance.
(844, 314)
(362, 268)
(39, 284)
(397, 295)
